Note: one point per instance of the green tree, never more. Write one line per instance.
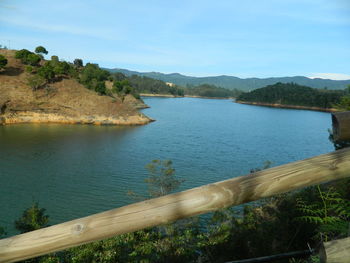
(41, 50)
(28, 57)
(162, 179)
(344, 104)
(22, 54)
(78, 63)
(3, 62)
(93, 77)
(32, 218)
(33, 59)
(47, 72)
(61, 68)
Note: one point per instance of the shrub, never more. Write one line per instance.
(28, 57)
(29, 69)
(3, 61)
(32, 218)
(47, 72)
(36, 81)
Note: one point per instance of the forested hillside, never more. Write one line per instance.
(231, 82)
(142, 84)
(293, 94)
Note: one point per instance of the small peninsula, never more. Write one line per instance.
(293, 96)
(35, 90)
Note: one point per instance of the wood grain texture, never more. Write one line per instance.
(341, 125)
(336, 251)
(320, 169)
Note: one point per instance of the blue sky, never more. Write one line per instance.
(248, 38)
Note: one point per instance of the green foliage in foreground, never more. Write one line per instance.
(162, 179)
(3, 61)
(294, 94)
(32, 218)
(331, 213)
(283, 223)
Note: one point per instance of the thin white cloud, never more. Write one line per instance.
(333, 76)
(68, 29)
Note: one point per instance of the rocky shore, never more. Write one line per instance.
(276, 105)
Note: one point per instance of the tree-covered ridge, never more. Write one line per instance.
(43, 72)
(231, 82)
(149, 85)
(142, 84)
(210, 91)
(293, 94)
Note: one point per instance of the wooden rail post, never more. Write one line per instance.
(341, 126)
(336, 251)
(200, 200)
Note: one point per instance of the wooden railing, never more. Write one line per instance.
(196, 201)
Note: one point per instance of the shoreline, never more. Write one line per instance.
(185, 96)
(34, 117)
(296, 107)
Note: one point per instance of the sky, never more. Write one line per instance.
(250, 38)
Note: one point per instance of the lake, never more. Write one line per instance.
(78, 170)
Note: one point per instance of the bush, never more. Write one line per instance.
(92, 77)
(33, 59)
(29, 69)
(32, 218)
(28, 57)
(36, 81)
(22, 54)
(47, 72)
(62, 68)
(54, 59)
(3, 61)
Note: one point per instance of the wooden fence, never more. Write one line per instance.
(196, 201)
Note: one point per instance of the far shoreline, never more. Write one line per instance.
(283, 106)
(185, 96)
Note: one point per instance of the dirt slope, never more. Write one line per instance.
(66, 101)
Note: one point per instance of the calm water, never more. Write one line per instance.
(77, 170)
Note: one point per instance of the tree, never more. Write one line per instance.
(47, 72)
(162, 179)
(3, 61)
(22, 54)
(41, 50)
(32, 218)
(33, 59)
(78, 63)
(28, 57)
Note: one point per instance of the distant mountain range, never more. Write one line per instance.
(231, 82)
